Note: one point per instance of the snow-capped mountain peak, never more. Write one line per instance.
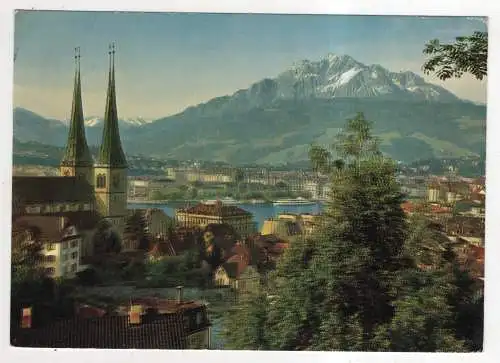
(95, 121)
(342, 76)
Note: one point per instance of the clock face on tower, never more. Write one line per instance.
(116, 181)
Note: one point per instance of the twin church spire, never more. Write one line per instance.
(110, 154)
(77, 152)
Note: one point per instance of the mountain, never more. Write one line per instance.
(276, 119)
(29, 126)
(96, 121)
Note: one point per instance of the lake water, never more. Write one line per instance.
(260, 212)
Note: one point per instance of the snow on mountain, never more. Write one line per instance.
(342, 76)
(94, 121)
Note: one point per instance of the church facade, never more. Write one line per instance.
(86, 191)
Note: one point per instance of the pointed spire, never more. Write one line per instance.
(111, 152)
(77, 151)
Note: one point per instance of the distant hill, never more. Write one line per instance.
(275, 120)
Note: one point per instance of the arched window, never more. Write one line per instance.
(101, 181)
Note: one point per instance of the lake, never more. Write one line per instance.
(260, 212)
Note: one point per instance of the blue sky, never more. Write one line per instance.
(166, 62)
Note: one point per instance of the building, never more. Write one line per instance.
(59, 238)
(95, 191)
(110, 169)
(201, 215)
(285, 226)
(238, 271)
(433, 192)
(143, 324)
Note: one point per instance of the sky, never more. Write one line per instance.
(166, 62)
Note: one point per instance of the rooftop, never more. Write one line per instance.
(51, 189)
(162, 331)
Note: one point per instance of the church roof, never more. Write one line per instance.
(111, 152)
(77, 151)
(51, 189)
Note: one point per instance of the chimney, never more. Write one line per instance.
(135, 314)
(179, 294)
(26, 318)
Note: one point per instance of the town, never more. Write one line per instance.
(341, 249)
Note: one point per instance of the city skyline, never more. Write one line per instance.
(195, 57)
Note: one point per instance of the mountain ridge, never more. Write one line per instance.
(275, 119)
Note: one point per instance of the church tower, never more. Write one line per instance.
(77, 160)
(111, 166)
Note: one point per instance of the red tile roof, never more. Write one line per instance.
(165, 331)
(45, 228)
(235, 265)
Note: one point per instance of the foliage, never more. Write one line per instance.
(135, 230)
(184, 269)
(424, 244)
(469, 54)
(253, 311)
(105, 239)
(354, 284)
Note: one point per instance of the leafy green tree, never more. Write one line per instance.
(421, 321)
(354, 284)
(320, 158)
(469, 54)
(253, 311)
(424, 244)
(106, 239)
(135, 230)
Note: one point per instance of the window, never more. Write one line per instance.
(50, 258)
(50, 271)
(74, 244)
(101, 181)
(73, 267)
(50, 247)
(199, 318)
(74, 255)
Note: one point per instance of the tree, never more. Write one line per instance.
(136, 232)
(252, 310)
(106, 239)
(425, 245)
(469, 54)
(352, 285)
(320, 158)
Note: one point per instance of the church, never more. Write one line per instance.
(62, 212)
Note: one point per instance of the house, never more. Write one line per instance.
(142, 324)
(237, 272)
(283, 226)
(466, 226)
(269, 249)
(60, 240)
